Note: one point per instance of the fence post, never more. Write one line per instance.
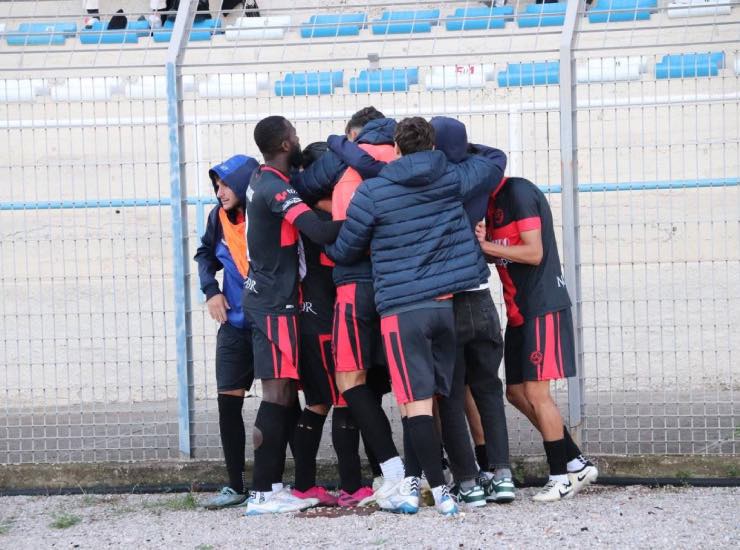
(178, 194)
(569, 172)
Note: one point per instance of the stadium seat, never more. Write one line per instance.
(610, 69)
(202, 30)
(98, 34)
(25, 89)
(470, 19)
(543, 15)
(258, 28)
(154, 87)
(529, 74)
(307, 83)
(401, 22)
(411, 74)
(331, 25)
(624, 10)
(698, 8)
(41, 34)
(690, 65)
(86, 88)
(233, 85)
(456, 77)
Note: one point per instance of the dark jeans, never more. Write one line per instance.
(480, 348)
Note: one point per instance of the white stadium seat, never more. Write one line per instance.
(85, 88)
(154, 87)
(25, 89)
(452, 77)
(611, 69)
(698, 8)
(258, 28)
(233, 85)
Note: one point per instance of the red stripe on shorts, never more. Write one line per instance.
(275, 368)
(549, 362)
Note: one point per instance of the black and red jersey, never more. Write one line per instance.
(517, 205)
(273, 244)
(318, 291)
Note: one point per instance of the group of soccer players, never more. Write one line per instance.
(359, 265)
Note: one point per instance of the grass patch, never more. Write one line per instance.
(178, 503)
(64, 521)
(733, 471)
(684, 474)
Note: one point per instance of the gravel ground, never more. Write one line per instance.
(633, 517)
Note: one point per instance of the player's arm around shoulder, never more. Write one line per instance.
(482, 169)
(356, 233)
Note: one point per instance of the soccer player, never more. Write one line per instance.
(223, 246)
(275, 215)
(479, 352)
(422, 249)
(538, 344)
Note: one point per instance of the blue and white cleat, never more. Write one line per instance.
(401, 497)
(444, 503)
(276, 502)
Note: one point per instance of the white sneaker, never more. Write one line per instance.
(554, 490)
(401, 497)
(445, 504)
(583, 477)
(260, 503)
(378, 482)
(286, 495)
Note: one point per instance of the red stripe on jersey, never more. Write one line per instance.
(288, 234)
(513, 314)
(295, 211)
(506, 235)
(278, 173)
(325, 260)
(529, 224)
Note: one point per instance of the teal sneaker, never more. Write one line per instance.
(501, 491)
(475, 496)
(226, 498)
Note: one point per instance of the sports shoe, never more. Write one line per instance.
(361, 497)
(554, 490)
(324, 497)
(401, 497)
(227, 497)
(501, 491)
(378, 482)
(583, 477)
(285, 493)
(447, 473)
(445, 504)
(260, 503)
(475, 496)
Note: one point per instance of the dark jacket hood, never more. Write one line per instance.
(450, 137)
(236, 173)
(377, 132)
(416, 169)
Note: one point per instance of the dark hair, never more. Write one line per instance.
(413, 135)
(270, 133)
(312, 152)
(362, 117)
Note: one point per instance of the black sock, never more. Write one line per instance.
(374, 464)
(411, 464)
(481, 456)
(372, 421)
(306, 440)
(93, 12)
(233, 438)
(571, 449)
(555, 451)
(346, 440)
(295, 413)
(273, 421)
(425, 440)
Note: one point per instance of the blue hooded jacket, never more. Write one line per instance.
(411, 217)
(213, 254)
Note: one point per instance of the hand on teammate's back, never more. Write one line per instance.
(217, 306)
(480, 231)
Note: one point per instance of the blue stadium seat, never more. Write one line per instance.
(411, 75)
(543, 15)
(330, 25)
(202, 30)
(98, 34)
(41, 34)
(690, 65)
(307, 83)
(627, 10)
(335, 78)
(530, 74)
(401, 22)
(470, 19)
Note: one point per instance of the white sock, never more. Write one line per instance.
(437, 492)
(562, 478)
(277, 487)
(575, 464)
(393, 469)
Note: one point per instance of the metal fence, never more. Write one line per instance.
(106, 351)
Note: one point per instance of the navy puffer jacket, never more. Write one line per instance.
(412, 219)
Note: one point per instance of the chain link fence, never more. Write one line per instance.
(628, 118)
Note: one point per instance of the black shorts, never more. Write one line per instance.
(234, 359)
(420, 349)
(356, 331)
(317, 370)
(541, 349)
(275, 345)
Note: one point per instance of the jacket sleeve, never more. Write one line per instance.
(481, 170)
(318, 180)
(354, 156)
(208, 263)
(356, 233)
